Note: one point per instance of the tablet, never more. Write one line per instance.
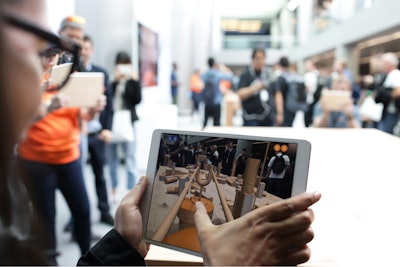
(60, 72)
(231, 174)
(83, 89)
(335, 100)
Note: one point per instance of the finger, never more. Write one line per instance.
(296, 240)
(297, 257)
(201, 219)
(283, 209)
(295, 223)
(135, 195)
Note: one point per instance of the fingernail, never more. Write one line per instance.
(141, 179)
(317, 195)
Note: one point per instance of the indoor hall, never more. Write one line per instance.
(188, 33)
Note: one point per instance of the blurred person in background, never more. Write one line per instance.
(196, 86)
(347, 116)
(126, 94)
(388, 93)
(174, 83)
(254, 92)
(211, 93)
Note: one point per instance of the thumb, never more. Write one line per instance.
(135, 195)
(201, 219)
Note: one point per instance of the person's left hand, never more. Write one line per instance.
(128, 219)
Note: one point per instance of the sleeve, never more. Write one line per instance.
(112, 249)
(271, 162)
(287, 160)
(244, 81)
(134, 92)
(106, 115)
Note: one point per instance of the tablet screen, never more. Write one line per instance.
(232, 175)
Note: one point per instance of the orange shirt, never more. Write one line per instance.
(54, 139)
(196, 84)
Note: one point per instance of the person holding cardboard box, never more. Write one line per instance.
(336, 107)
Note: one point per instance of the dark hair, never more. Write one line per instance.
(284, 62)
(123, 58)
(87, 38)
(257, 50)
(211, 62)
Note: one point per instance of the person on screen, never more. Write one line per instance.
(21, 237)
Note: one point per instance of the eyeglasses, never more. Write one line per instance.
(65, 45)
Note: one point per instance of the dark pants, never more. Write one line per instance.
(96, 149)
(289, 118)
(196, 97)
(388, 122)
(213, 111)
(309, 116)
(42, 181)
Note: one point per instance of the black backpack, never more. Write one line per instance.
(209, 92)
(279, 164)
(296, 95)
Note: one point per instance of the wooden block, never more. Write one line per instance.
(195, 186)
(261, 189)
(168, 172)
(231, 180)
(172, 190)
(170, 179)
(221, 180)
(244, 203)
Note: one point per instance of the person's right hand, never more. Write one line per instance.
(128, 219)
(276, 234)
(105, 135)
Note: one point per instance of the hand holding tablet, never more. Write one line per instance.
(270, 234)
(84, 89)
(232, 199)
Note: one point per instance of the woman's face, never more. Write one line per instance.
(21, 65)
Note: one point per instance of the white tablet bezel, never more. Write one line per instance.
(299, 177)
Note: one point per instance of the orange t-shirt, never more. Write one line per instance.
(196, 84)
(54, 139)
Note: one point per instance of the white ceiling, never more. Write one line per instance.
(249, 9)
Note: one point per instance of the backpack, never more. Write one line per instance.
(279, 164)
(209, 92)
(296, 95)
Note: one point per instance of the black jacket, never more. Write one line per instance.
(131, 97)
(112, 249)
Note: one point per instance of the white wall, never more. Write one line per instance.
(57, 10)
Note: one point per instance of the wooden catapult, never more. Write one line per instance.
(196, 181)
